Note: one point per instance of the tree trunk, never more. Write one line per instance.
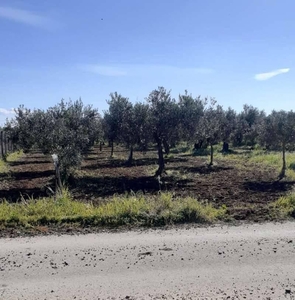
(100, 146)
(6, 144)
(283, 171)
(225, 147)
(130, 158)
(161, 161)
(112, 148)
(198, 145)
(2, 144)
(166, 147)
(211, 155)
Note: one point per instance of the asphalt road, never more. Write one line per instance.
(239, 262)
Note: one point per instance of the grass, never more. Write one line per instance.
(137, 210)
(285, 206)
(274, 159)
(268, 158)
(4, 166)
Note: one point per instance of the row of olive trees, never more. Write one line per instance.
(70, 129)
(166, 121)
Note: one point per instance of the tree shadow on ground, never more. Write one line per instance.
(5, 175)
(14, 195)
(202, 169)
(116, 163)
(32, 174)
(87, 158)
(108, 186)
(108, 163)
(271, 186)
(38, 156)
(27, 162)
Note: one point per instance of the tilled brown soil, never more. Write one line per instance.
(246, 189)
(27, 177)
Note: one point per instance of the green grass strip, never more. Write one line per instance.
(137, 210)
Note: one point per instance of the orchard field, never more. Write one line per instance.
(245, 181)
(159, 162)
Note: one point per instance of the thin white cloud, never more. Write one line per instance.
(26, 17)
(268, 75)
(5, 111)
(141, 70)
(103, 70)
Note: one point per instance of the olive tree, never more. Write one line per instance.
(278, 132)
(191, 111)
(21, 128)
(164, 121)
(67, 129)
(118, 120)
(210, 124)
(142, 125)
(247, 126)
(227, 127)
(74, 129)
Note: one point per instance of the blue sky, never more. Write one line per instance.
(236, 51)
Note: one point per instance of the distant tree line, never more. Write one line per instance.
(70, 129)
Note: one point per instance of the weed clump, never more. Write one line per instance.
(285, 205)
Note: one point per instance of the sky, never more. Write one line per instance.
(239, 52)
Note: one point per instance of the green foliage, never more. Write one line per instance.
(68, 129)
(141, 129)
(164, 118)
(132, 210)
(210, 123)
(247, 126)
(277, 130)
(191, 111)
(164, 121)
(118, 119)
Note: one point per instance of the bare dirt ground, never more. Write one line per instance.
(243, 262)
(246, 189)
